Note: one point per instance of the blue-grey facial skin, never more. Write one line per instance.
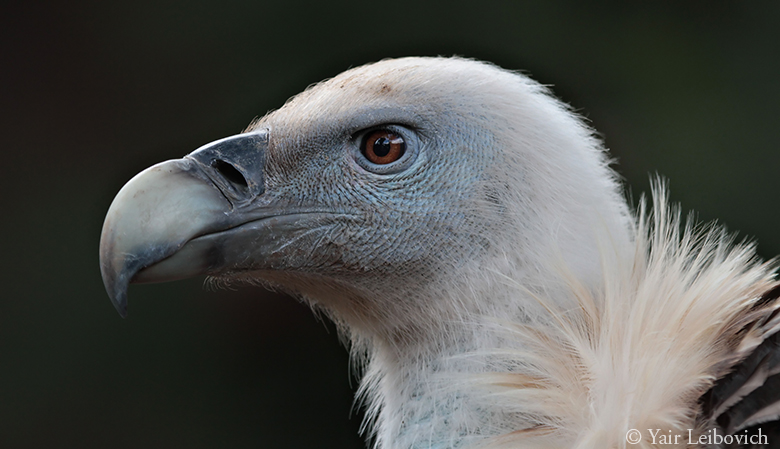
(392, 215)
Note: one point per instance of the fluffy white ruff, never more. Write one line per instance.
(639, 353)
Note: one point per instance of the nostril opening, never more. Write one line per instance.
(229, 172)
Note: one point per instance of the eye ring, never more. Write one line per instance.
(382, 147)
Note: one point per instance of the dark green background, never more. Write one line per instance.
(93, 92)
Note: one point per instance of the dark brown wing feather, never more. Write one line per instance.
(746, 402)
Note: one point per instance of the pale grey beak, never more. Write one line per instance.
(166, 222)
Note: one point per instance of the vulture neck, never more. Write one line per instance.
(428, 385)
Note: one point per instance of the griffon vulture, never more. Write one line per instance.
(463, 229)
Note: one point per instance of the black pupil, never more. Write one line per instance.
(382, 146)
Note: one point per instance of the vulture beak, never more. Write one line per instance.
(202, 214)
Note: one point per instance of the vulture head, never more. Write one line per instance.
(451, 217)
(372, 192)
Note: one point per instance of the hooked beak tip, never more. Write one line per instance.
(116, 284)
(120, 303)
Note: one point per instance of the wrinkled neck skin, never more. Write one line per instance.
(422, 384)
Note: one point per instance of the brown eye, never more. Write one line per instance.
(383, 147)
